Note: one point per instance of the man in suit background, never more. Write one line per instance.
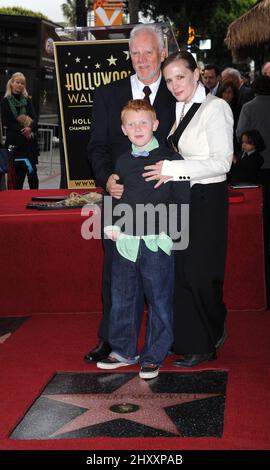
(211, 78)
(266, 69)
(107, 142)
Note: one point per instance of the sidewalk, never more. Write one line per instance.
(49, 172)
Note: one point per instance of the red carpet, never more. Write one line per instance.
(46, 251)
(46, 344)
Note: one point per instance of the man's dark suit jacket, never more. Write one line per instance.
(107, 140)
(245, 95)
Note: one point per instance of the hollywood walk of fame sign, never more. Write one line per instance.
(77, 405)
(81, 67)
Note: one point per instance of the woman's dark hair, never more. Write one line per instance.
(261, 85)
(181, 55)
(224, 86)
(254, 138)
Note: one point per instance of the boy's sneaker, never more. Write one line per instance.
(111, 363)
(149, 371)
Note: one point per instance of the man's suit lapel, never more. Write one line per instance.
(164, 105)
(163, 97)
(124, 91)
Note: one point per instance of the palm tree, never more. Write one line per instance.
(69, 11)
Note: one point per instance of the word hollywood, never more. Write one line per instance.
(91, 80)
(80, 124)
(84, 83)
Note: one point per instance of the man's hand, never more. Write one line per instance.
(114, 189)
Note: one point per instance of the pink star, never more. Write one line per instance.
(134, 401)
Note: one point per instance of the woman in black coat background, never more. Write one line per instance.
(19, 118)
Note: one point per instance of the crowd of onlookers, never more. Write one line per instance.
(250, 104)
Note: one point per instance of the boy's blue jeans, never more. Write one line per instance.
(150, 276)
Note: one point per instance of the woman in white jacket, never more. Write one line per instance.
(206, 143)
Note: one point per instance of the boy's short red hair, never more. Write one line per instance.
(138, 105)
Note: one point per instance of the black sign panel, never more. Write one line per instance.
(81, 67)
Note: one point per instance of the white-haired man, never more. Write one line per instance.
(245, 93)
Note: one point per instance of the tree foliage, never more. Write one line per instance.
(209, 18)
(69, 11)
(21, 12)
(73, 8)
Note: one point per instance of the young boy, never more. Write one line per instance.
(142, 259)
(245, 168)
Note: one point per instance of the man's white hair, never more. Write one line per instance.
(152, 28)
(231, 71)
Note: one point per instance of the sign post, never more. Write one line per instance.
(108, 12)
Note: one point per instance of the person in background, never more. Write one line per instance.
(245, 92)
(266, 69)
(142, 259)
(19, 118)
(255, 115)
(3, 160)
(210, 78)
(245, 167)
(246, 78)
(107, 142)
(206, 144)
(230, 93)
